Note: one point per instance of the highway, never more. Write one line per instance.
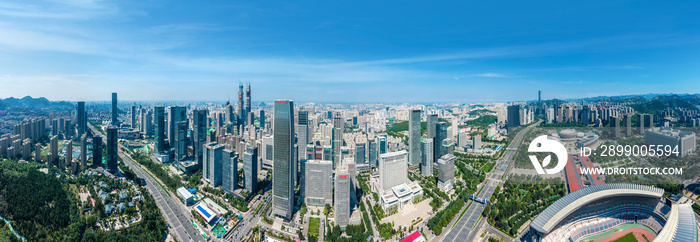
(180, 223)
(462, 229)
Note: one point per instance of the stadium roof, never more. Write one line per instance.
(568, 204)
(680, 226)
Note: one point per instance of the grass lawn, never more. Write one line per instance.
(487, 167)
(313, 226)
(627, 238)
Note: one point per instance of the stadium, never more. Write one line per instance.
(609, 212)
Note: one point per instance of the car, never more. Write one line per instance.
(474, 220)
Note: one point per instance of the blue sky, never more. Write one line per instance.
(347, 51)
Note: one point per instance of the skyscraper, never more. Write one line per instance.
(342, 197)
(229, 113)
(440, 136)
(262, 119)
(241, 109)
(427, 157)
(175, 114)
(229, 173)
(302, 132)
(180, 142)
(513, 116)
(213, 158)
(283, 158)
(159, 120)
(69, 153)
(250, 168)
(372, 153)
(382, 143)
(112, 135)
(199, 133)
(414, 134)
(53, 148)
(360, 153)
(431, 125)
(81, 118)
(446, 172)
(247, 100)
(628, 124)
(83, 151)
(584, 115)
(338, 128)
(133, 116)
(97, 147)
(115, 110)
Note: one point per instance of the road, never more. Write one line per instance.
(180, 223)
(462, 231)
(247, 224)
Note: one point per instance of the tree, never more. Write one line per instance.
(301, 235)
(327, 209)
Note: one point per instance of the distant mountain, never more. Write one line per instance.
(670, 101)
(29, 101)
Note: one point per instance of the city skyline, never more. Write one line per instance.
(334, 53)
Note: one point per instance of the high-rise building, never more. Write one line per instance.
(37, 152)
(372, 153)
(318, 184)
(628, 124)
(431, 122)
(513, 116)
(584, 115)
(338, 128)
(393, 169)
(81, 118)
(175, 114)
(440, 136)
(645, 122)
(159, 120)
(97, 147)
(115, 110)
(83, 151)
(446, 172)
(267, 147)
(414, 134)
(342, 197)
(247, 99)
(112, 136)
(133, 116)
(180, 142)
(302, 132)
(427, 157)
(476, 142)
(250, 168)
(69, 153)
(53, 149)
(229, 173)
(360, 153)
(283, 159)
(615, 125)
(382, 143)
(213, 159)
(241, 109)
(262, 119)
(228, 113)
(199, 133)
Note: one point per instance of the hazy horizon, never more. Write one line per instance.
(346, 52)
